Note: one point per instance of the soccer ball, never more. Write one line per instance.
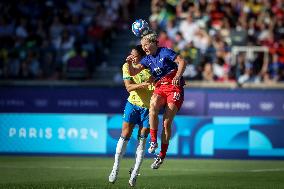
(140, 27)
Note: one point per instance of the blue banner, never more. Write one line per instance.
(194, 103)
(257, 103)
(201, 102)
(214, 137)
(53, 133)
(62, 99)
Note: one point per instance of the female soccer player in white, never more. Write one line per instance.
(136, 112)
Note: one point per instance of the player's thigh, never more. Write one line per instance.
(157, 101)
(176, 96)
(143, 123)
(171, 110)
(130, 114)
(144, 114)
(130, 118)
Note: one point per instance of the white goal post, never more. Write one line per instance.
(249, 50)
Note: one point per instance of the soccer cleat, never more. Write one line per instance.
(133, 177)
(130, 171)
(157, 163)
(113, 176)
(153, 147)
(132, 180)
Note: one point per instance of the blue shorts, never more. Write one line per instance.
(136, 115)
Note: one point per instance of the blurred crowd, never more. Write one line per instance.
(58, 39)
(70, 39)
(207, 32)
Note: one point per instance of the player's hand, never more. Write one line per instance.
(129, 59)
(144, 84)
(176, 80)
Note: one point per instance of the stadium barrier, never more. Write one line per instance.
(68, 119)
(90, 99)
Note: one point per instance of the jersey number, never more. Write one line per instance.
(158, 71)
(176, 96)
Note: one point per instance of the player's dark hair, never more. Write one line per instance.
(140, 51)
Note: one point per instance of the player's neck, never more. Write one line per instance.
(155, 51)
(135, 65)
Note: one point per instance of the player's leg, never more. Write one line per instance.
(156, 103)
(127, 129)
(174, 102)
(129, 120)
(140, 152)
(170, 111)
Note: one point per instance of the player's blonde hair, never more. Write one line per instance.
(151, 37)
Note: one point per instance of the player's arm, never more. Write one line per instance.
(181, 68)
(131, 86)
(133, 70)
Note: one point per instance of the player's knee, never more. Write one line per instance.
(154, 102)
(144, 132)
(153, 105)
(143, 135)
(153, 111)
(167, 124)
(126, 133)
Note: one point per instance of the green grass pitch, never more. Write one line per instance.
(92, 172)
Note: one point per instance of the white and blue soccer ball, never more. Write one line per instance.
(140, 27)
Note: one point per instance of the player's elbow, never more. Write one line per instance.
(129, 89)
(183, 61)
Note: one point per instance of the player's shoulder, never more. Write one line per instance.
(125, 69)
(125, 66)
(146, 57)
(165, 49)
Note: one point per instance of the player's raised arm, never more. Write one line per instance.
(181, 68)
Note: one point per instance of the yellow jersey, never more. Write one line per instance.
(139, 97)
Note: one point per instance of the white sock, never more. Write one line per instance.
(120, 151)
(140, 152)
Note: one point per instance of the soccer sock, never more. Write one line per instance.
(164, 149)
(120, 150)
(153, 133)
(140, 152)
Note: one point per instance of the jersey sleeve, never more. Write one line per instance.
(170, 54)
(125, 72)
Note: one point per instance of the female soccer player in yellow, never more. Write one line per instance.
(136, 112)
